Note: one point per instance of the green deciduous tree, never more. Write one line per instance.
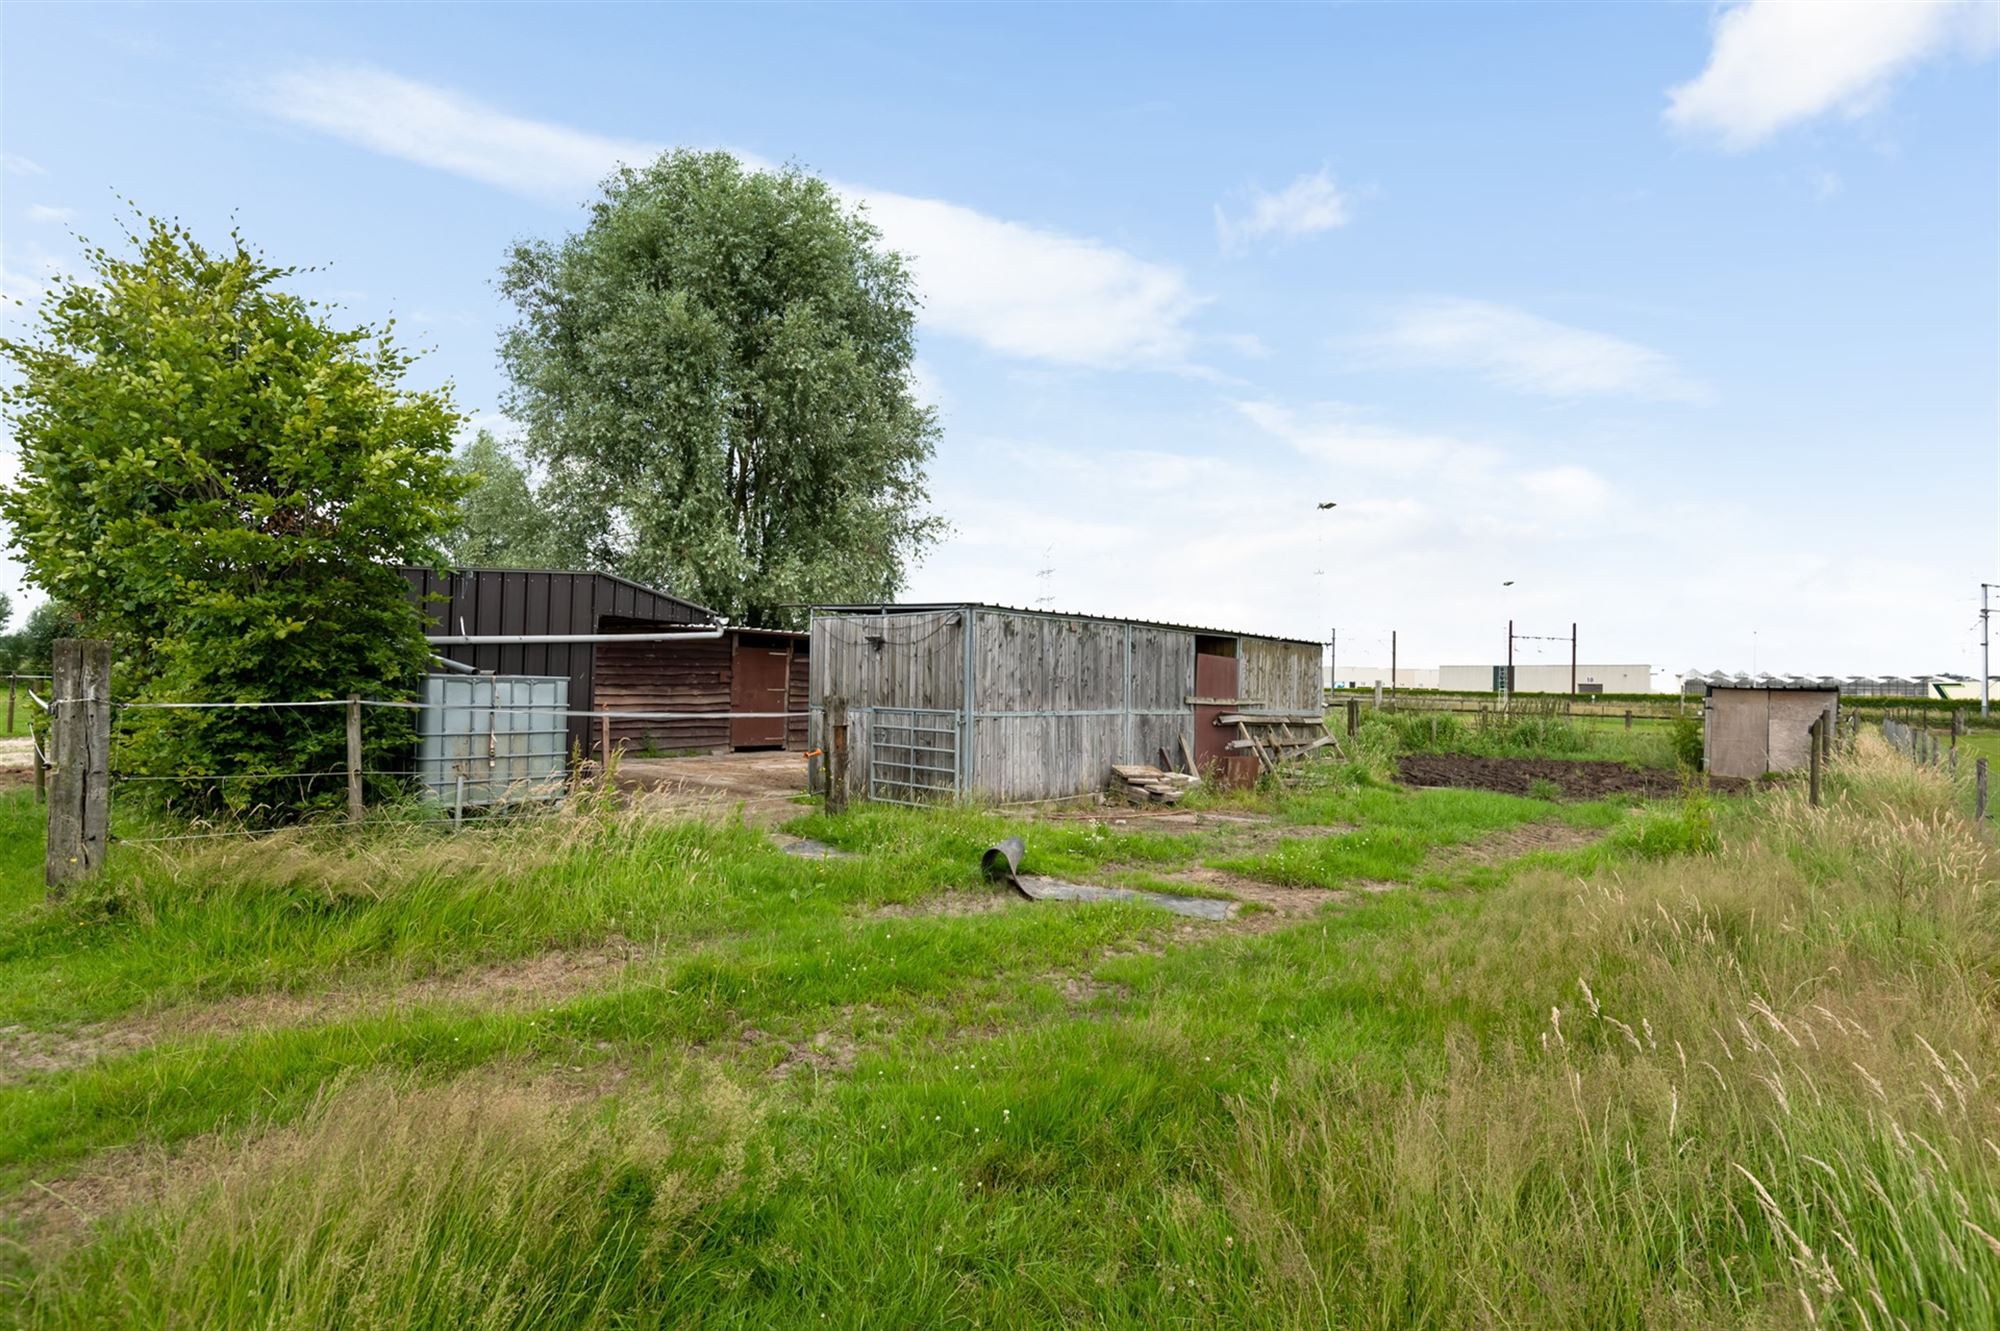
(28, 648)
(222, 481)
(715, 376)
(501, 523)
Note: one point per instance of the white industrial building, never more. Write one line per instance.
(1553, 677)
(1367, 677)
(1486, 678)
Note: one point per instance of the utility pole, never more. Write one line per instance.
(1985, 648)
(1392, 667)
(1572, 662)
(1333, 658)
(1507, 679)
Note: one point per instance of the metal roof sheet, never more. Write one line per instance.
(921, 607)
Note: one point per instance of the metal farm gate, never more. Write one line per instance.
(913, 755)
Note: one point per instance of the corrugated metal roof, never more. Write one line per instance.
(920, 607)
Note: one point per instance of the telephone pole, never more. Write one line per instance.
(1985, 648)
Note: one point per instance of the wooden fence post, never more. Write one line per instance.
(1354, 716)
(1628, 718)
(80, 740)
(604, 744)
(1818, 730)
(10, 704)
(1979, 789)
(353, 757)
(836, 754)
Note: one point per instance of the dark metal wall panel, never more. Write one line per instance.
(536, 601)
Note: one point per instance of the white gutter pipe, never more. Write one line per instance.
(540, 639)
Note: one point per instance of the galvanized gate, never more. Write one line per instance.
(913, 755)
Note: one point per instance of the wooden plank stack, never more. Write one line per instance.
(1143, 784)
(1278, 737)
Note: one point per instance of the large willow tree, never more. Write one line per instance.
(714, 377)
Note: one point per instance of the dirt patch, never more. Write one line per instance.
(824, 1052)
(529, 982)
(1513, 842)
(759, 789)
(1575, 780)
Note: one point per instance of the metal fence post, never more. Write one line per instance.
(80, 735)
(353, 757)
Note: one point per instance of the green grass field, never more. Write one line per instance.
(1519, 1064)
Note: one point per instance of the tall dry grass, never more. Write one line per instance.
(493, 1202)
(1755, 1088)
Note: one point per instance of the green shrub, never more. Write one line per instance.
(1541, 788)
(1684, 739)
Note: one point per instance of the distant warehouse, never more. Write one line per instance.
(950, 700)
(1550, 678)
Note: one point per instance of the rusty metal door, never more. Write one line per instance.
(760, 672)
(1215, 685)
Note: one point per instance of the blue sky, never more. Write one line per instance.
(1686, 319)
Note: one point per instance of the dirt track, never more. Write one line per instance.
(1516, 776)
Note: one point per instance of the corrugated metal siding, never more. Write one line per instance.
(537, 601)
(1282, 676)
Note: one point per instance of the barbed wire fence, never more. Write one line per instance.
(72, 728)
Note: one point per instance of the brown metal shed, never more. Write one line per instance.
(708, 682)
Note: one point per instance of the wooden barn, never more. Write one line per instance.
(687, 681)
(1024, 705)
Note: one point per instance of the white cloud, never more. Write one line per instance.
(16, 165)
(1573, 490)
(433, 127)
(1344, 437)
(1032, 292)
(42, 212)
(1309, 205)
(1022, 290)
(1530, 354)
(1778, 62)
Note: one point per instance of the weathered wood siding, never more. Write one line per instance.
(914, 660)
(665, 677)
(1278, 675)
(1056, 700)
(798, 697)
(1162, 683)
(1120, 707)
(692, 677)
(1026, 667)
